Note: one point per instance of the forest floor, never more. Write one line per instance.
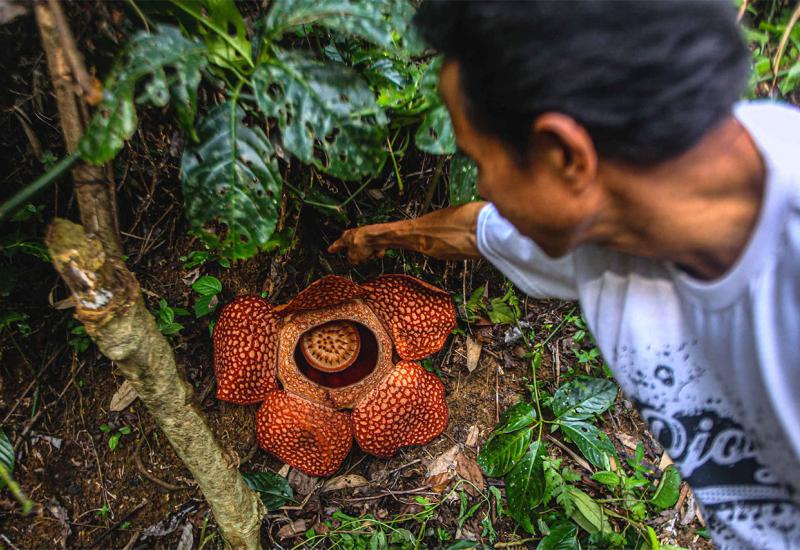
(56, 392)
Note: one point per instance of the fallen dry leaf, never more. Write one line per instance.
(350, 481)
(123, 397)
(665, 461)
(442, 470)
(469, 470)
(628, 441)
(472, 436)
(473, 353)
(291, 530)
(300, 482)
(444, 462)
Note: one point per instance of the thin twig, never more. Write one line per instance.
(91, 88)
(137, 457)
(776, 65)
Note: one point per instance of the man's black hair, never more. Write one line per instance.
(646, 78)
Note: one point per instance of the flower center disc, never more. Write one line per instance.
(331, 347)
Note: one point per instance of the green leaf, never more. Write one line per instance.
(207, 285)
(147, 54)
(593, 443)
(563, 536)
(232, 176)
(378, 541)
(436, 135)
(463, 180)
(385, 23)
(668, 490)
(587, 513)
(220, 25)
(273, 489)
(6, 453)
(791, 80)
(652, 538)
(112, 125)
(327, 114)
(517, 416)
(203, 306)
(113, 441)
(583, 398)
(607, 478)
(502, 452)
(500, 312)
(525, 485)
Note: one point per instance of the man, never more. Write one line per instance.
(620, 173)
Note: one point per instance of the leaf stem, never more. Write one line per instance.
(213, 26)
(27, 192)
(396, 168)
(13, 486)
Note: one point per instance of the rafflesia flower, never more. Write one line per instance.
(334, 363)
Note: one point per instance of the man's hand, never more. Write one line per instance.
(357, 243)
(447, 234)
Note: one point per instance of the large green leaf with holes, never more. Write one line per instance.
(385, 23)
(166, 67)
(435, 134)
(231, 176)
(583, 398)
(463, 180)
(222, 28)
(525, 485)
(592, 442)
(327, 114)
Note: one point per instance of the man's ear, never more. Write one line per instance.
(576, 158)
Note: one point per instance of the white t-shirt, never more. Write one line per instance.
(714, 367)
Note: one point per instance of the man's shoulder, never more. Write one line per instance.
(775, 128)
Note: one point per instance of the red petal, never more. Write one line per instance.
(407, 408)
(420, 316)
(246, 350)
(305, 435)
(328, 291)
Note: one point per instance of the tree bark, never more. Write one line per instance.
(94, 186)
(109, 303)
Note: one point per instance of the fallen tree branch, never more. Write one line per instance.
(109, 303)
(111, 307)
(94, 188)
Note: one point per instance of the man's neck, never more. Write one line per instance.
(697, 210)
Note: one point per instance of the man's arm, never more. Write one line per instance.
(447, 234)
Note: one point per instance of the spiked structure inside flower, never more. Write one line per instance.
(324, 366)
(331, 347)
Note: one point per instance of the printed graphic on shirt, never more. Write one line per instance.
(683, 404)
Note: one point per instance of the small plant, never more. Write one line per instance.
(519, 452)
(500, 310)
(403, 531)
(208, 288)
(116, 434)
(199, 258)
(7, 463)
(79, 341)
(165, 318)
(102, 512)
(15, 320)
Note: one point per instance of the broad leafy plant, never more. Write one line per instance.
(545, 497)
(317, 79)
